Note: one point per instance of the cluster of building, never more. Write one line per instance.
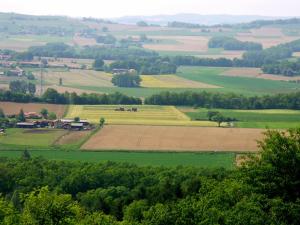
(67, 124)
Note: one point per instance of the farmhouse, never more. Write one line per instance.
(26, 125)
(120, 71)
(70, 124)
(30, 64)
(4, 57)
(16, 72)
(32, 115)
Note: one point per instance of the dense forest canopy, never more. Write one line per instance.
(285, 67)
(52, 96)
(265, 190)
(226, 100)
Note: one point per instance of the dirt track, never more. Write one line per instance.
(14, 108)
(168, 138)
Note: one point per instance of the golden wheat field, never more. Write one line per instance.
(146, 115)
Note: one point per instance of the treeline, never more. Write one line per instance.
(226, 100)
(250, 25)
(147, 66)
(229, 43)
(286, 68)
(264, 190)
(178, 24)
(53, 97)
(62, 50)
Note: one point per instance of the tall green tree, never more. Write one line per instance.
(41, 207)
(31, 88)
(126, 80)
(21, 116)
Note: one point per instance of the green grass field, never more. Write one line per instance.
(146, 115)
(30, 137)
(207, 160)
(242, 85)
(273, 119)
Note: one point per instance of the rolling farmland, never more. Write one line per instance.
(146, 115)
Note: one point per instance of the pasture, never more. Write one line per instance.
(204, 160)
(242, 85)
(174, 138)
(146, 115)
(14, 108)
(273, 119)
(30, 137)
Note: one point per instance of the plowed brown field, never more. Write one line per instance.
(14, 108)
(172, 138)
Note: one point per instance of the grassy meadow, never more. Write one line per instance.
(30, 137)
(273, 119)
(242, 85)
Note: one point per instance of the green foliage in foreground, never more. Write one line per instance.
(255, 118)
(265, 190)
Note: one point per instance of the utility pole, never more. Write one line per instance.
(41, 88)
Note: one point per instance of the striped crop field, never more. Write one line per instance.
(145, 115)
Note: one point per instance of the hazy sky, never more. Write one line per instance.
(117, 8)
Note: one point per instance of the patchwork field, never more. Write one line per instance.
(14, 108)
(167, 138)
(273, 119)
(171, 81)
(146, 115)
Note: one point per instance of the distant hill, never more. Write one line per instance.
(193, 18)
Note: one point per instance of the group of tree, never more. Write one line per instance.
(219, 117)
(10, 121)
(126, 80)
(286, 68)
(98, 64)
(106, 39)
(22, 87)
(147, 66)
(229, 43)
(62, 50)
(48, 115)
(264, 190)
(226, 100)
